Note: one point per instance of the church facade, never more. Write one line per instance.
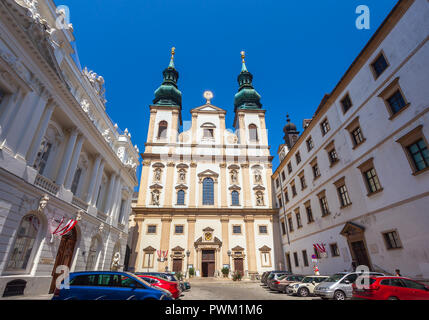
(205, 193)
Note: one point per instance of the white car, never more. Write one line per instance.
(306, 286)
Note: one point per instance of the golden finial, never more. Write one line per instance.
(173, 51)
(242, 55)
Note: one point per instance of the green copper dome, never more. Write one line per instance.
(246, 97)
(168, 93)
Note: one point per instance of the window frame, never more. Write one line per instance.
(386, 241)
(373, 69)
(407, 140)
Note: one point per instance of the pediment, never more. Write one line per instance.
(155, 186)
(237, 248)
(259, 188)
(234, 187)
(178, 248)
(208, 229)
(149, 249)
(265, 248)
(351, 228)
(181, 187)
(208, 173)
(208, 108)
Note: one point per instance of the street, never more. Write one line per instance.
(229, 290)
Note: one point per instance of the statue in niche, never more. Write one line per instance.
(155, 197)
(115, 262)
(259, 199)
(258, 177)
(182, 175)
(234, 176)
(157, 174)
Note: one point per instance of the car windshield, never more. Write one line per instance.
(138, 279)
(307, 279)
(336, 277)
(282, 277)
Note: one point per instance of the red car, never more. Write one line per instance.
(392, 288)
(171, 286)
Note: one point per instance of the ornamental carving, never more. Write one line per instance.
(43, 203)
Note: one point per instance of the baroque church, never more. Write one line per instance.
(205, 199)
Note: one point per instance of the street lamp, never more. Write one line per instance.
(188, 253)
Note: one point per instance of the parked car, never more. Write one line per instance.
(339, 285)
(171, 286)
(165, 275)
(283, 282)
(264, 276)
(306, 286)
(109, 285)
(392, 288)
(274, 275)
(187, 285)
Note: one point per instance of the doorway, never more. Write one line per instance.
(360, 253)
(239, 265)
(64, 255)
(289, 265)
(208, 263)
(177, 265)
(355, 235)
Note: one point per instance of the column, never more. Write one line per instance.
(93, 178)
(31, 156)
(67, 157)
(169, 185)
(191, 239)
(165, 240)
(225, 239)
(112, 182)
(243, 137)
(141, 201)
(97, 184)
(9, 115)
(118, 199)
(31, 123)
(223, 186)
(250, 244)
(246, 185)
(74, 161)
(193, 185)
(194, 128)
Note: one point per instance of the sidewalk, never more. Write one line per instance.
(41, 297)
(219, 280)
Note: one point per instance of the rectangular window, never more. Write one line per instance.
(277, 183)
(289, 220)
(372, 180)
(286, 195)
(151, 229)
(335, 252)
(333, 156)
(396, 102)
(346, 103)
(324, 126)
(179, 229)
(283, 176)
(263, 230)
(42, 156)
(298, 157)
(419, 154)
(298, 219)
(148, 260)
(293, 190)
(208, 133)
(280, 202)
(310, 217)
(357, 136)
(303, 183)
(316, 171)
(289, 167)
(295, 257)
(236, 229)
(76, 179)
(283, 227)
(310, 144)
(324, 206)
(379, 65)
(305, 257)
(392, 240)
(344, 196)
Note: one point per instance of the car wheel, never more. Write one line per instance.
(303, 292)
(392, 298)
(339, 295)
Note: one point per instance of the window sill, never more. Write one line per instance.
(334, 163)
(399, 248)
(310, 222)
(358, 145)
(316, 177)
(416, 173)
(375, 192)
(346, 206)
(326, 215)
(394, 115)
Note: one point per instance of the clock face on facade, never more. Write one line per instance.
(208, 236)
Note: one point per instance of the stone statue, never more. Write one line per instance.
(155, 197)
(115, 261)
(101, 227)
(157, 175)
(234, 176)
(259, 199)
(258, 177)
(182, 175)
(43, 203)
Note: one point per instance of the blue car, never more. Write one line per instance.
(109, 285)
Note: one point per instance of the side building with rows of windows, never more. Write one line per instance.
(353, 188)
(205, 199)
(61, 157)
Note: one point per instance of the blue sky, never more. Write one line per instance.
(296, 50)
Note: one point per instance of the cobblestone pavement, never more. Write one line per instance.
(221, 290)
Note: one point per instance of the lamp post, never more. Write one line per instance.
(229, 259)
(188, 253)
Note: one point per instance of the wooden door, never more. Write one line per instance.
(208, 263)
(64, 255)
(177, 265)
(360, 253)
(238, 266)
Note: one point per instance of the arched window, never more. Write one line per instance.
(93, 255)
(208, 191)
(180, 197)
(24, 243)
(253, 132)
(235, 198)
(162, 130)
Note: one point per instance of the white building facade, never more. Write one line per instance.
(356, 181)
(61, 157)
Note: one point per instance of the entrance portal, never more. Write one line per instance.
(208, 263)
(64, 255)
(239, 266)
(355, 235)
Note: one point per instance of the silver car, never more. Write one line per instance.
(339, 285)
